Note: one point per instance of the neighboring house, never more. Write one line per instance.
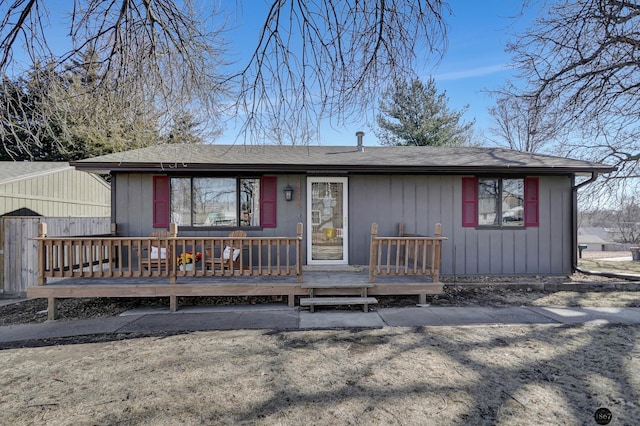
(53, 189)
(595, 238)
(504, 212)
(43, 190)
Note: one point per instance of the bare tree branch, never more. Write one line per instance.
(333, 58)
(580, 61)
(158, 52)
(313, 58)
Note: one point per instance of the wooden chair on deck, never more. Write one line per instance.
(158, 254)
(230, 254)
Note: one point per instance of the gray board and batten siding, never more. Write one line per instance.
(418, 201)
(422, 201)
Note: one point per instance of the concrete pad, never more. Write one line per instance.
(410, 317)
(337, 319)
(516, 315)
(173, 322)
(227, 319)
(435, 316)
(591, 315)
(275, 320)
(58, 329)
(146, 310)
(462, 315)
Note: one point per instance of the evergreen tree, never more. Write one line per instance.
(412, 113)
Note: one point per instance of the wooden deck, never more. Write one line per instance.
(272, 266)
(336, 283)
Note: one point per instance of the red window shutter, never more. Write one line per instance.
(469, 201)
(160, 201)
(531, 209)
(268, 197)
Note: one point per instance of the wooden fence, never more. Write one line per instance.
(19, 249)
(88, 257)
(405, 255)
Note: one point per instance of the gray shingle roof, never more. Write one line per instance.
(261, 158)
(15, 170)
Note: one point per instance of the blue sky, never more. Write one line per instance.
(475, 60)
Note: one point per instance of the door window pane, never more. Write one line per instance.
(327, 214)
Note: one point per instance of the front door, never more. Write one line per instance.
(327, 219)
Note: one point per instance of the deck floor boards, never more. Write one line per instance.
(337, 283)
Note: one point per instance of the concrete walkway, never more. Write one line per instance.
(282, 317)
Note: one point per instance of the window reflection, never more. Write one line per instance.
(513, 202)
(181, 201)
(249, 202)
(215, 201)
(501, 202)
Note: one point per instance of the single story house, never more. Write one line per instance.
(594, 238)
(503, 212)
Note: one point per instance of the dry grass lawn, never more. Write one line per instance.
(601, 261)
(508, 375)
(518, 375)
(619, 266)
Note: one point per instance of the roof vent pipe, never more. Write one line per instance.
(360, 135)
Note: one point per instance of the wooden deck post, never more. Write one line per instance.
(299, 230)
(372, 254)
(42, 233)
(52, 308)
(437, 253)
(171, 262)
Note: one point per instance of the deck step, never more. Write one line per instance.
(333, 285)
(337, 301)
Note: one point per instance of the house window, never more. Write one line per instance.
(500, 202)
(211, 202)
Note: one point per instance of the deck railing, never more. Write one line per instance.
(405, 255)
(99, 257)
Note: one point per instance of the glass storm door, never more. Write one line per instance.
(327, 229)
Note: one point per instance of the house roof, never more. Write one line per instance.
(11, 171)
(595, 235)
(347, 159)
